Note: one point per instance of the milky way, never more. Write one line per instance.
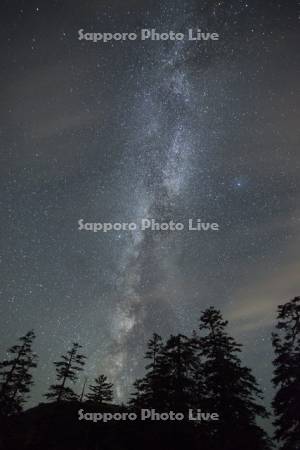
(122, 131)
(164, 151)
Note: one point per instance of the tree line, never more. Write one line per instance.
(203, 370)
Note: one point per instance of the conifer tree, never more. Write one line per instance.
(168, 381)
(150, 391)
(231, 389)
(15, 375)
(67, 369)
(180, 361)
(199, 392)
(101, 391)
(286, 403)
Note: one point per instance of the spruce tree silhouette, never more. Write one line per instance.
(67, 370)
(150, 391)
(199, 392)
(180, 360)
(15, 375)
(231, 389)
(286, 403)
(168, 383)
(101, 391)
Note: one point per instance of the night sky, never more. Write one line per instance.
(119, 131)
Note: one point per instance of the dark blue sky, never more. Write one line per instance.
(121, 131)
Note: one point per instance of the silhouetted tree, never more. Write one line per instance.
(286, 403)
(15, 375)
(168, 381)
(101, 391)
(155, 346)
(180, 361)
(150, 390)
(67, 370)
(170, 384)
(199, 392)
(231, 389)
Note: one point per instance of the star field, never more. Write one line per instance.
(130, 130)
